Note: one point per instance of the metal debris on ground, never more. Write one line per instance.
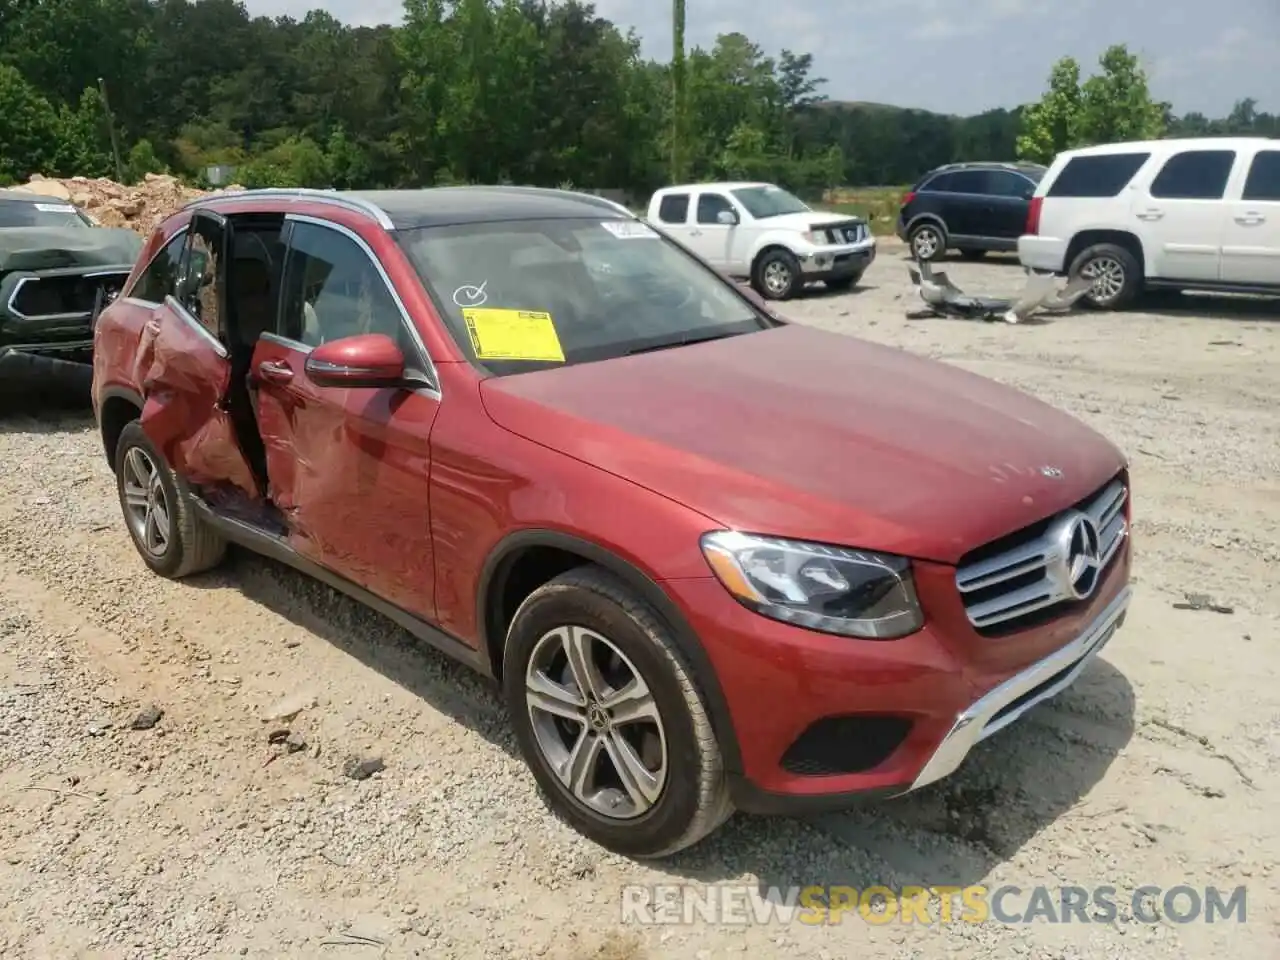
(1202, 601)
(1042, 293)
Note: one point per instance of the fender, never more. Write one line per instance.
(773, 238)
(931, 218)
(494, 573)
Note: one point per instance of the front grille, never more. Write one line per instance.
(66, 296)
(1040, 570)
(846, 233)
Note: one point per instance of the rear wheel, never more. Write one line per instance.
(169, 537)
(1114, 273)
(609, 719)
(927, 242)
(776, 275)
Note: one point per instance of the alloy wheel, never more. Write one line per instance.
(596, 722)
(925, 243)
(1107, 277)
(777, 277)
(145, 504)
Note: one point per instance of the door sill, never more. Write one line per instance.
(1216, 286)
(264, 540)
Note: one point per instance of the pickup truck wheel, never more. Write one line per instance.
(1116, 276)
(608, 717)
(169, 537)
(776, 275)
(927, 242)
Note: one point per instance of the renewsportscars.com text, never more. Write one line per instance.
(665, 904)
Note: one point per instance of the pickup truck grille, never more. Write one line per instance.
(1029, 575)
(852, 232)
(66, 296)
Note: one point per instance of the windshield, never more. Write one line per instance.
(533, 294)
(24, 213)
(765, 202)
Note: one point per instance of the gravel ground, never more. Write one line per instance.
(196, 837)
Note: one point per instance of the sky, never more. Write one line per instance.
(961, 56)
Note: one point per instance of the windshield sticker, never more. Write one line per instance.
(629, 229)
(55, 208)
(498, 334)
(471, 296)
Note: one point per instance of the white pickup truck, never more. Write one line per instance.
(762, 233)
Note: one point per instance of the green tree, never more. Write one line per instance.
(1111, 106)
(1116, 104)
(1053, 124)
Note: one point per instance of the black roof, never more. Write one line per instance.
(445, 206)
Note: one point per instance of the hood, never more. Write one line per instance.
(51, 248)
(801, 433)
(811, 218)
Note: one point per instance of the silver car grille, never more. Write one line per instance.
(1058, 561)
(846, 233)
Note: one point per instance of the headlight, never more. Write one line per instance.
(831, 589)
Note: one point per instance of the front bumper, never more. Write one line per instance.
(822, 263)
(1011, 699)
(780, 683)
(36, 370)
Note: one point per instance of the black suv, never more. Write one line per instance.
(970, 207)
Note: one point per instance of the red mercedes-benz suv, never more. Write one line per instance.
(715, 560)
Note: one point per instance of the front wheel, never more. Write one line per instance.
(1115, 275)
(169, 537)
(609, 719)
(776, 275)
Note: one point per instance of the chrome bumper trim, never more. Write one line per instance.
(984, 717)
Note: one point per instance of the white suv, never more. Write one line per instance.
(760, 232)
(1200, 214)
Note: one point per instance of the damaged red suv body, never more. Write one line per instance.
(716, 560)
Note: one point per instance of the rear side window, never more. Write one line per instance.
(1104, 175)
(940, 184)
(1002, 183)
(969, 181)
(674, 208)
(1194, 175)
(1264, 177)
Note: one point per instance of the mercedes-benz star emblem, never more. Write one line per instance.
(1078, 557)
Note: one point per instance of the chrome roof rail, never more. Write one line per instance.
(299, 195)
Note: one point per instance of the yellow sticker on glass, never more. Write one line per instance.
(512, 334)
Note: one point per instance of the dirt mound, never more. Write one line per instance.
(140, 206)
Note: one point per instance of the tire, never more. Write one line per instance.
(589, 609)
(1123, 275)
(844, 283)
(776, 275)
(189, 545)
(973, 254)
(927, 241)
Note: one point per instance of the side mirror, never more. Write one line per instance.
(367, 360)
(728, 217)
